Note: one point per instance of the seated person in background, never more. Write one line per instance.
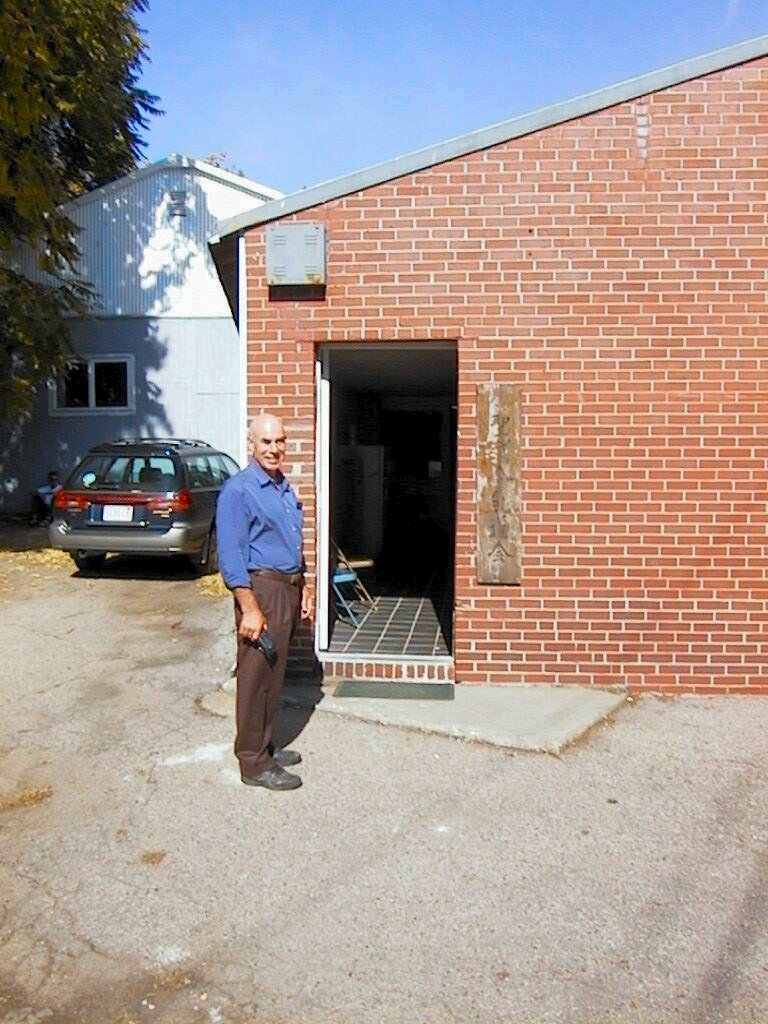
(42, 500)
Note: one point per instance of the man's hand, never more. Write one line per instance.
(307, 601)
(253, 622)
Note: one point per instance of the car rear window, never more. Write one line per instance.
(207, 470)
(148, 473)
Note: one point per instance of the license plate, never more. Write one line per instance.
(118, 514)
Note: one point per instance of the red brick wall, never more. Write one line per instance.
(614, 267)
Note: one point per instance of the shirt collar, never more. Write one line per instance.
(264, 479)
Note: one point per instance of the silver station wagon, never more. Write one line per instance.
(142, 496)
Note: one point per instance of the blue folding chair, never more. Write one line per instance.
(342, 577)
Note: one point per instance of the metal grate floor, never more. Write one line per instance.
(394, 626)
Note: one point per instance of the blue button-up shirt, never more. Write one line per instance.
(258, 525)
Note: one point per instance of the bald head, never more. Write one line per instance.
(263, 422)
(266, 442)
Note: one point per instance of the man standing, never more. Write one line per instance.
(259, 532)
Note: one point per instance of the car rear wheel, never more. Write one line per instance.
(86, 562)
(207, 561)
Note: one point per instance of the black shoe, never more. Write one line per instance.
(286, 758)
(273, 778)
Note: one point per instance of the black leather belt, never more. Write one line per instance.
(294, 579)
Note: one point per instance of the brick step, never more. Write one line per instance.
(404, 670)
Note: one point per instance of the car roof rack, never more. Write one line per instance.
(186, 442)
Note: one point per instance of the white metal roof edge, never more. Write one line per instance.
(503, 131)
(230, 178)
(175, 160)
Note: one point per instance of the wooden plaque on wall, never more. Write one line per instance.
(498, 484)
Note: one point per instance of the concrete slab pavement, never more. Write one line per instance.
(534, 718)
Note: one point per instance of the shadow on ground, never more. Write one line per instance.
(138, 567)
(292, 719)
(17, 535)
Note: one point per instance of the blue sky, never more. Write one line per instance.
(295, 94)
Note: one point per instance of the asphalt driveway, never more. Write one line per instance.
(414, 878)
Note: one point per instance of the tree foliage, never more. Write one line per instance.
(71, 117)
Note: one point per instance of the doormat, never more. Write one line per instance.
(394, 691)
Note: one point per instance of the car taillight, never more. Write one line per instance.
(72, 501)
(181, 502)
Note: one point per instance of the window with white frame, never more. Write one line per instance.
(95, 384)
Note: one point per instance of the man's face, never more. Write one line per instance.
(268, 446)
(53, 479)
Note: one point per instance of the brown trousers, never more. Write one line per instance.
(259, 684)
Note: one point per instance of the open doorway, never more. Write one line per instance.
(391, 472)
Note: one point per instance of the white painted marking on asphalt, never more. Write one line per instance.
(207, 752)
(167, 955)
(441, 828)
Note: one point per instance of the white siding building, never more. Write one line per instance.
(160, 355)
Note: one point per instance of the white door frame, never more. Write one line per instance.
(323, 389)
(242, 326)
(323, 501)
